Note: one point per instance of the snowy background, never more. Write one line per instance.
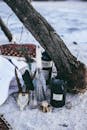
(68, 18)
(70, 21)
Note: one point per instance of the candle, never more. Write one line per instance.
(38, 57)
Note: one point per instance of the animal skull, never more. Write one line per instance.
(22, 100)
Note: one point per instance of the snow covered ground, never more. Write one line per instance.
(70, 21)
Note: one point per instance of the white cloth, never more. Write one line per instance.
(6, 75)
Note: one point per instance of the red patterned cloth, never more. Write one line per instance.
(15, 50)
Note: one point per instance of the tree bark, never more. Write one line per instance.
(5, 30)
(68, 68)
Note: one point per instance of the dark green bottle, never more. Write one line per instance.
(28, 80)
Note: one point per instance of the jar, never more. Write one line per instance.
(58, 93)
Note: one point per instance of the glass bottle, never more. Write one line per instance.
(40, 86)
(46, 66)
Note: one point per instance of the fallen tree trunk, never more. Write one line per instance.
(68, 68)
(5, 30)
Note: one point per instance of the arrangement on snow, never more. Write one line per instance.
(36, 87)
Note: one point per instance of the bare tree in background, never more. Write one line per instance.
(5, 30)
(68, 68)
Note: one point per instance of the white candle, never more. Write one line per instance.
(38, 57)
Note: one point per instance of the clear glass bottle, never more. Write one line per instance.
(33, 100)
(40, 86)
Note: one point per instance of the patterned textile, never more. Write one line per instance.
(4, 125)
(17, 50)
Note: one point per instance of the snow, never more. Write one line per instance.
(74, 118)
(70, 21)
